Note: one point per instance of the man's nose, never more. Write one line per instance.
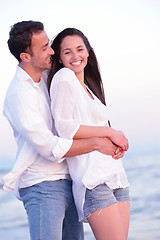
(51, 51)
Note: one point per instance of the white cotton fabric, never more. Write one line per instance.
(40, 153)
(71, 107)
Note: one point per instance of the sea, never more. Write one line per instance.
(143, 171)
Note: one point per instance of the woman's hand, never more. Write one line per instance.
(118, 138)
(119, 153)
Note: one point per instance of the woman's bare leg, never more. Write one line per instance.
(124, 209)
(106, 223)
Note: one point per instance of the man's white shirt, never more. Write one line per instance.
(39, 153)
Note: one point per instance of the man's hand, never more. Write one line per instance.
(106, 146)
(109, 148)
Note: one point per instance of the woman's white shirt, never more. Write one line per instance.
(71, 107)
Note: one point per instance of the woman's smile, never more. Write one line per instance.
(77, 63)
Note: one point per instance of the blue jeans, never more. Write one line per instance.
(50, 208)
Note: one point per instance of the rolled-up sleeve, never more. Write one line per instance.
(61, 148)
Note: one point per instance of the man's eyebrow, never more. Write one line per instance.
(45, 45)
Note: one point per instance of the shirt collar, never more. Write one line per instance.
(24, 76)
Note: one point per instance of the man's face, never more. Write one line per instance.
(41, 51)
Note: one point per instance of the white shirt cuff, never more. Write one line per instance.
(61, 148)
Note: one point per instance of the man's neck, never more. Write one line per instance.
(35, 75)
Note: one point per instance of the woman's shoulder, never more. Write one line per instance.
(64, 74)
(63, 78)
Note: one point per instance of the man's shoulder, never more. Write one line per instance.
(20, 91)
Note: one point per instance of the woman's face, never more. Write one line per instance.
(73, 53)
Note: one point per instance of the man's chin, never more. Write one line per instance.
(48, 66)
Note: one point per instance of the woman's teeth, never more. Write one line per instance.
(76, 63)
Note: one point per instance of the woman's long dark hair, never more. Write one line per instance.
(92, 77)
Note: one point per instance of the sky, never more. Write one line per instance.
(125, 35)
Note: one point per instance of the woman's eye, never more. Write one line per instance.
(66, 53)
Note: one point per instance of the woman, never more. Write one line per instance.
(100, 184)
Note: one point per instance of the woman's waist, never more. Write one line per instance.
(102, 165)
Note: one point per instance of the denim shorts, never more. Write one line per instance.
(102, 196)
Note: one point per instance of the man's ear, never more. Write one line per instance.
(25, 57)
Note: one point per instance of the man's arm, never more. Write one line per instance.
(83, 146)
(22, 109)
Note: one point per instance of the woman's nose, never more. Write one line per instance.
(74, 55)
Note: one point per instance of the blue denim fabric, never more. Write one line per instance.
(50, 207)
(102, 196)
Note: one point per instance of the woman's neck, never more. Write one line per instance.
(80, 77)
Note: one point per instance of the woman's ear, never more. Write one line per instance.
(60, 61)
(25, 57)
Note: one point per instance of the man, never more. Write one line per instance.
(40, 175)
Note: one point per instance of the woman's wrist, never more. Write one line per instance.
(110, 132)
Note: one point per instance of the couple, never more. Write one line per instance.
(56, 107)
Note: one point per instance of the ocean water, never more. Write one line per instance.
(143, 173)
